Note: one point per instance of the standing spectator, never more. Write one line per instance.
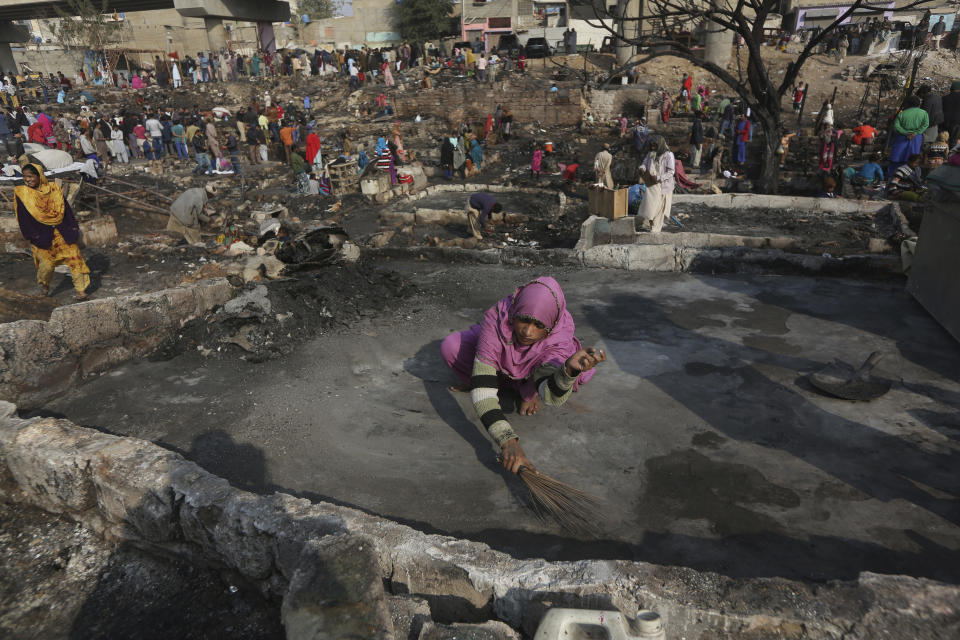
(937, 32)
(908, 129)
(601, 166)
(155, 131)
(696, 140)
(741, 138)
(179, 140)
(658, 174)
(951, 111)
(931, 103)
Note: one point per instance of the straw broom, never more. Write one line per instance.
(574, 510)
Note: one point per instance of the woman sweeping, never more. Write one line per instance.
(657, 172)
(48, 223)
(525, 341)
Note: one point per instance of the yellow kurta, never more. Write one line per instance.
(61, 253)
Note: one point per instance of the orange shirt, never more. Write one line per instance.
(286, 135)
(863, 133)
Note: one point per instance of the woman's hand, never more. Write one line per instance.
(583, 360)
(514, 457)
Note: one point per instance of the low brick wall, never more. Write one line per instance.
(476, 101)
(132, 490)
(39, 360)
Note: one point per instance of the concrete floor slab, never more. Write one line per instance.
(700, 431)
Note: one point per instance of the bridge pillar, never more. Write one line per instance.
(267, 38)
(7, 63)
(628, 29)
(216, 33)
(10, 32)
(718, 45)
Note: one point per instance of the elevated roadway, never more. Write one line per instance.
(213, 12)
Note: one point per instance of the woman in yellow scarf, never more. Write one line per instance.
(48, 223)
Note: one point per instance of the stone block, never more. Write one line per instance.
(337, 593)
(140, 314)
(652, 257)
(33, 362)
(449, 589)
(181, 303)
(86, 323)
(98, 232)
(50, 462)
(489, 630)
(133, 488)
(595, 230)
(605, 255)
(408, 615)
(623, 230)
(210, 294)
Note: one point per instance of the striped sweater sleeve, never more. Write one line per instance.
(552, 381)
(483, 394)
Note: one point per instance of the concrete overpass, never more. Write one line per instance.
(213, 12)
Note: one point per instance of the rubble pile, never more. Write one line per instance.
(266, 321)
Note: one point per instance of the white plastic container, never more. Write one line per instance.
(590, 624)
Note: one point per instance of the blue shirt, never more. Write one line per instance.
(483, 202)
(635, 194)
(872, 172)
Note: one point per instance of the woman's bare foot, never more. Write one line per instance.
(460, 388)
(530, 407)
(80, 297)
(45, 290)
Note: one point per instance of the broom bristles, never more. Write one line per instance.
(573, 509)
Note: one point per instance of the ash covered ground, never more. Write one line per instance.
(704, 506)
(60, 580)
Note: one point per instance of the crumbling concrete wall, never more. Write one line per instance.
(475, 102)
(39, 360)
(135, 491)
(610, 103)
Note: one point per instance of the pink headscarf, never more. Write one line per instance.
(541, 299)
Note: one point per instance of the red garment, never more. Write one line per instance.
(570, 173)
(488, 126)
(863, 133)
(745, 132)
(279, 112)
(35, 133)
(688, 84)
(798, 96)
(681, 176)
(313, 146)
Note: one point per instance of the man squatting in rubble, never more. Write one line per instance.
(187, 212)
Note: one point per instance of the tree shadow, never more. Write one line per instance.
(901, 319)
(742, 403)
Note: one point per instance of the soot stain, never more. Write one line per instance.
(708, 439)
(688, 484)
